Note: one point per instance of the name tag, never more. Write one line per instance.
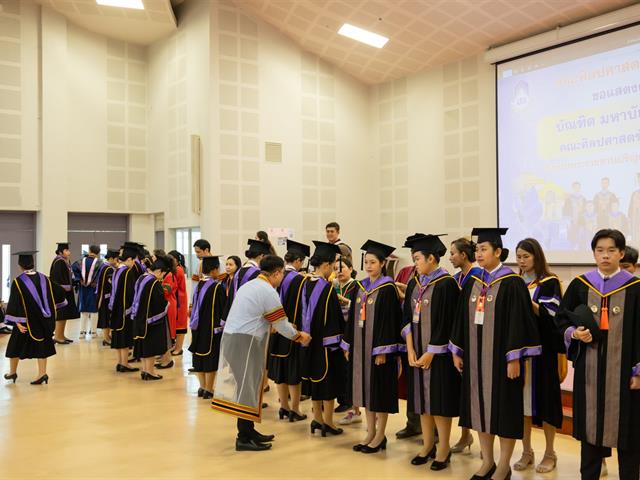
(363, 314)
(416, 312)
(479, 317)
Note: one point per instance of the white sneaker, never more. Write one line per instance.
(350, 418)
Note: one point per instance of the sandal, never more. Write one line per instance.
(547, 468)
(526, 460)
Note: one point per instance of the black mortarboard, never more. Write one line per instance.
(493, 234)
(112, 253)
(298, 248)
(427, 243)
(410, 238)
(162, 263)
(210, 262)
(582, 316)
(380, 249)
(129, 251)
(325, 251)
(257, 247)
(62, 246)
(25, 259)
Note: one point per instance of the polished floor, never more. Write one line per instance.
(93, 423)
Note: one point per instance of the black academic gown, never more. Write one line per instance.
(243, 275)
(103, 290)
(546, 396)
(23, 308)
(436, 390)
(121, 323)
(322, 362)
(62, 275)
(284, 355)
(374, 387)
(490, 401)
(150, 322)
(205, 338)
(605, 409)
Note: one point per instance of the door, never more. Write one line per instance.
(103, 229)
(17, 233)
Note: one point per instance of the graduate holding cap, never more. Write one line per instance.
(494, 329)
(206, 325)
(62, 274)
(433, 382)
(284, 354)
(600, 319)
(103, 292)
(371, 343)
(33, 302)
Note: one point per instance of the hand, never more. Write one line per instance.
(346, 355)
(401, 286)
(635, 383)
(195, 277)
(425, 360)
(381, 359)
(513, 369)
(21, 327)
(342, 299)
(411, 354)
(458, 362)
(583, 334)
(304, 339)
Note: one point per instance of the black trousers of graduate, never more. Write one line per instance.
(245, 430)
(591, 462)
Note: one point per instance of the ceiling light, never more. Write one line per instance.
(135, 4)
(364, 36)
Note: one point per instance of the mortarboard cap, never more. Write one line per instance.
(25, 259)
(298, 248)
(257, 247)
(582, 316)
(325, 251)
(112, 253)
(129, 252)
(493, 234)
(410, 238)
(210, 262)
(427, 243)
(162, 263)
(62, 246)
(379, 249)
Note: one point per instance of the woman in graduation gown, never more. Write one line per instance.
(250, 270)
(206, 325)
(322, 362)
(122, 293)
(433, 382)
(600, 319)
(182, 301)
(284, 354)
(494, 329)
(463, 256)
(542, 397)
(33, 302)
(149, 315)
(103, 293)
(371, 341)
(62, 275)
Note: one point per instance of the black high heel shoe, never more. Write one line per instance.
(437, 466)
(295, 417)
(166, 365)
(105, 343)
(368, 449)
(13, 376)
(333, 431)
(200, 392)
(315, 426)
(149, 376)
(207, 395)
(487, 476)
(43, 379)
(358, 447)
(508, 477)
(418, 460)
(283, 413)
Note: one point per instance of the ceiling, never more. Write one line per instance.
(422, 33)
(142, 27)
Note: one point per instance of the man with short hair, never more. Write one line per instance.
(332, 231)
(202, 248)
(245, 339)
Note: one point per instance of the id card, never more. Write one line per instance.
(479, 317)
(416, 312)
(363, 314)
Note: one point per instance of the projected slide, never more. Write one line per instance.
(569, 144)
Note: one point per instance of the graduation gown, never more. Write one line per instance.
(33, 301)
(490, 401)
(247, 272)
(103, 293)
(374, 387)
(206, 324)
(428, 313)
(123, 285)
(149, 316)
(605, 409)
(284, 355)
(86, 273)
(322, 362)
(61, 274)
(542, 394)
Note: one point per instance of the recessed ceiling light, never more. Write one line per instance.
(135, 4)
(364, 36)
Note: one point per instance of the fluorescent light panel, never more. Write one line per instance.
(135, 4)
(364, 36)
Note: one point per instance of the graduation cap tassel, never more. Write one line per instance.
(362, 261)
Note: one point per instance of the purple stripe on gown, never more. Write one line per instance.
(41, 301)
(613, 283)
(198, 295)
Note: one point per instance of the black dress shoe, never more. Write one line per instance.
(13, 376)
(418, 460)
(488, 474)
(260, 438)
(342, 408)
(358, 447)
(149, 377)
(5, 329)
(200, 392)
(295, 417)
(123, 368)
(407, 432)
(168, 365)
(369, 449)
(105, 343)
(251, 446)
(43, 379)
(283, 413)
(176, 354)
(207, 395)
(436, 465)
(333, 431)
(315, 426)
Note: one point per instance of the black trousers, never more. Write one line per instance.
(591, 462)
(245, 429)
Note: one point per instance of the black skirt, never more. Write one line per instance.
(70, 311)
(286, 369)
(156, 342)
(123, 338)
(206, 361)
(104, 315)
(22, 346)
(435, 391)
(333, 384)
